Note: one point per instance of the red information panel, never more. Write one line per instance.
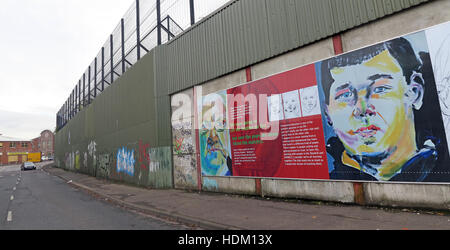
(282, 134)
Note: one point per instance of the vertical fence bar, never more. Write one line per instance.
(89, 85)
(84, 90)
(158, 20)
(112, 56)
(138, 31)
(122, 41)
(68, 108)
(95, 77)
(71, 105)
(79, 94)
(76, 99)
(103, 68)
(168, 28)
(192, 12)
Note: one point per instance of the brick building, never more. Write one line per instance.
(45, 143)
(13, 150)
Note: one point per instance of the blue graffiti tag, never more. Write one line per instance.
(125, 161)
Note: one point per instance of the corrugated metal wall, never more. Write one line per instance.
(245, 32)
(127, 114)
(135, 110)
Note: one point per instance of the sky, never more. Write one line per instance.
(46, 45)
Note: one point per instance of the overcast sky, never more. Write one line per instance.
(46, 45)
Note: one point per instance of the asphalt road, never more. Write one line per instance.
(35, 200)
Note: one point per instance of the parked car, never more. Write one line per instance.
(27, 166)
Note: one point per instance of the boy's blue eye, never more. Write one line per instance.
(344, 96)
(380, 90)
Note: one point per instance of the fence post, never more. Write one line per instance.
(95, 77)
(191, 7)
(89, 85)
(79, 95)
(138, 31)
(158, 20)
(103, 68)
(112, 57)
(76, 99)
(84, 90)
(71, 105)
(122, 41)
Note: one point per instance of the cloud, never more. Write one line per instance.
(24, 125)
(48, 46)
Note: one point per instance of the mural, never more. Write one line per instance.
(381, 104)
(215, 151)
(373, 114)
(438, 38)
(125, 161)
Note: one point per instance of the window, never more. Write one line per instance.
(12, 144)
(24, 144)
(1, 145)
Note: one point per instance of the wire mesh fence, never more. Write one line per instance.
(145, 25)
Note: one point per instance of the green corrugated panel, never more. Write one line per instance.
(248, 31)
(163, 121)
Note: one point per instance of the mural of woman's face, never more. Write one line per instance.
(370, 106)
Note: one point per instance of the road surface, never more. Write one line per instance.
(36, 200)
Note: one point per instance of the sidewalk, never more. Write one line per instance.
(221, 211)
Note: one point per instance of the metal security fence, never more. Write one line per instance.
(146, 24)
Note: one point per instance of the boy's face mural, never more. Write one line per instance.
(371, 107)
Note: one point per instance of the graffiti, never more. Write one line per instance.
(160, 167)
(182, 138)
(77, 160)
(92, 149)
(143, 154)
(185, 171)
(177, 145)
(85, 163)
(154, 166)
(125, 161)
(210, 184)
(104, 163)
(69, 160)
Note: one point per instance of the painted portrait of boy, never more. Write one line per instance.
(379, 102)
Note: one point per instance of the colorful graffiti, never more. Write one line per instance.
(77, 160)
(144, 157)
(125, 161)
